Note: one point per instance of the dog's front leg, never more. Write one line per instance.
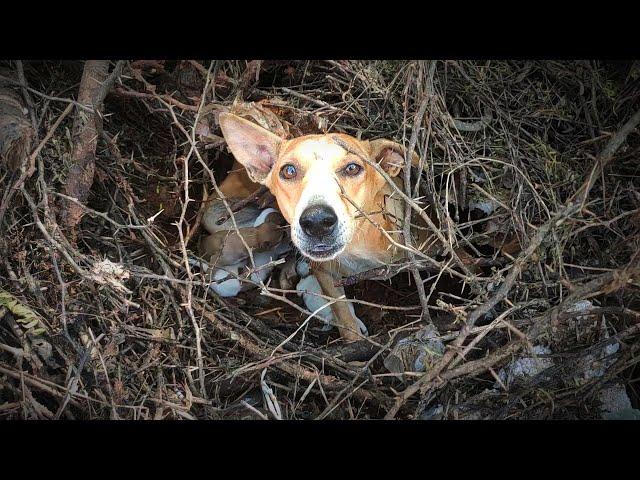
(347, 324)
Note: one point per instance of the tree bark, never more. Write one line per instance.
(16, 132)
(86, 129)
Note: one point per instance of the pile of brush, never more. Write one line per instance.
(133, 287)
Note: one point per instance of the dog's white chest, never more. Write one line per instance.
(357, 262)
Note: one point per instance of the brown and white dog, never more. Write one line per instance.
(335, 201)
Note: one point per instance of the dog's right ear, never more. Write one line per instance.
(253, 146)
(390, 156)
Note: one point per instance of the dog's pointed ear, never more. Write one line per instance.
(390, 156)
(253, 146)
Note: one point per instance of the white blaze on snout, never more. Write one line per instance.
(321, 188)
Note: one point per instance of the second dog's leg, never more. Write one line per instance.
(347, 324)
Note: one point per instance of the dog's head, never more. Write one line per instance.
(320, 181)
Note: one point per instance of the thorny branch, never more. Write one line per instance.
(155, 342)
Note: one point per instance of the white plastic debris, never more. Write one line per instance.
(526, 367)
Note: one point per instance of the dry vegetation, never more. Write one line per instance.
(534, 170)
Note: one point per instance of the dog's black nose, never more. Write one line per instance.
(318, 220)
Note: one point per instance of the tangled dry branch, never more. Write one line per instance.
(531, 169)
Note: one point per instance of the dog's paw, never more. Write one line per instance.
(361, 326)
(310, 290)
(309, 285)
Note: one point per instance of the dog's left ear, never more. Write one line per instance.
(390, 156)
(253, 146)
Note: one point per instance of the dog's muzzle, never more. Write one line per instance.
(318, 223)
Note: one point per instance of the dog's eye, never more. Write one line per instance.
(288, 172)
(352, 169)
